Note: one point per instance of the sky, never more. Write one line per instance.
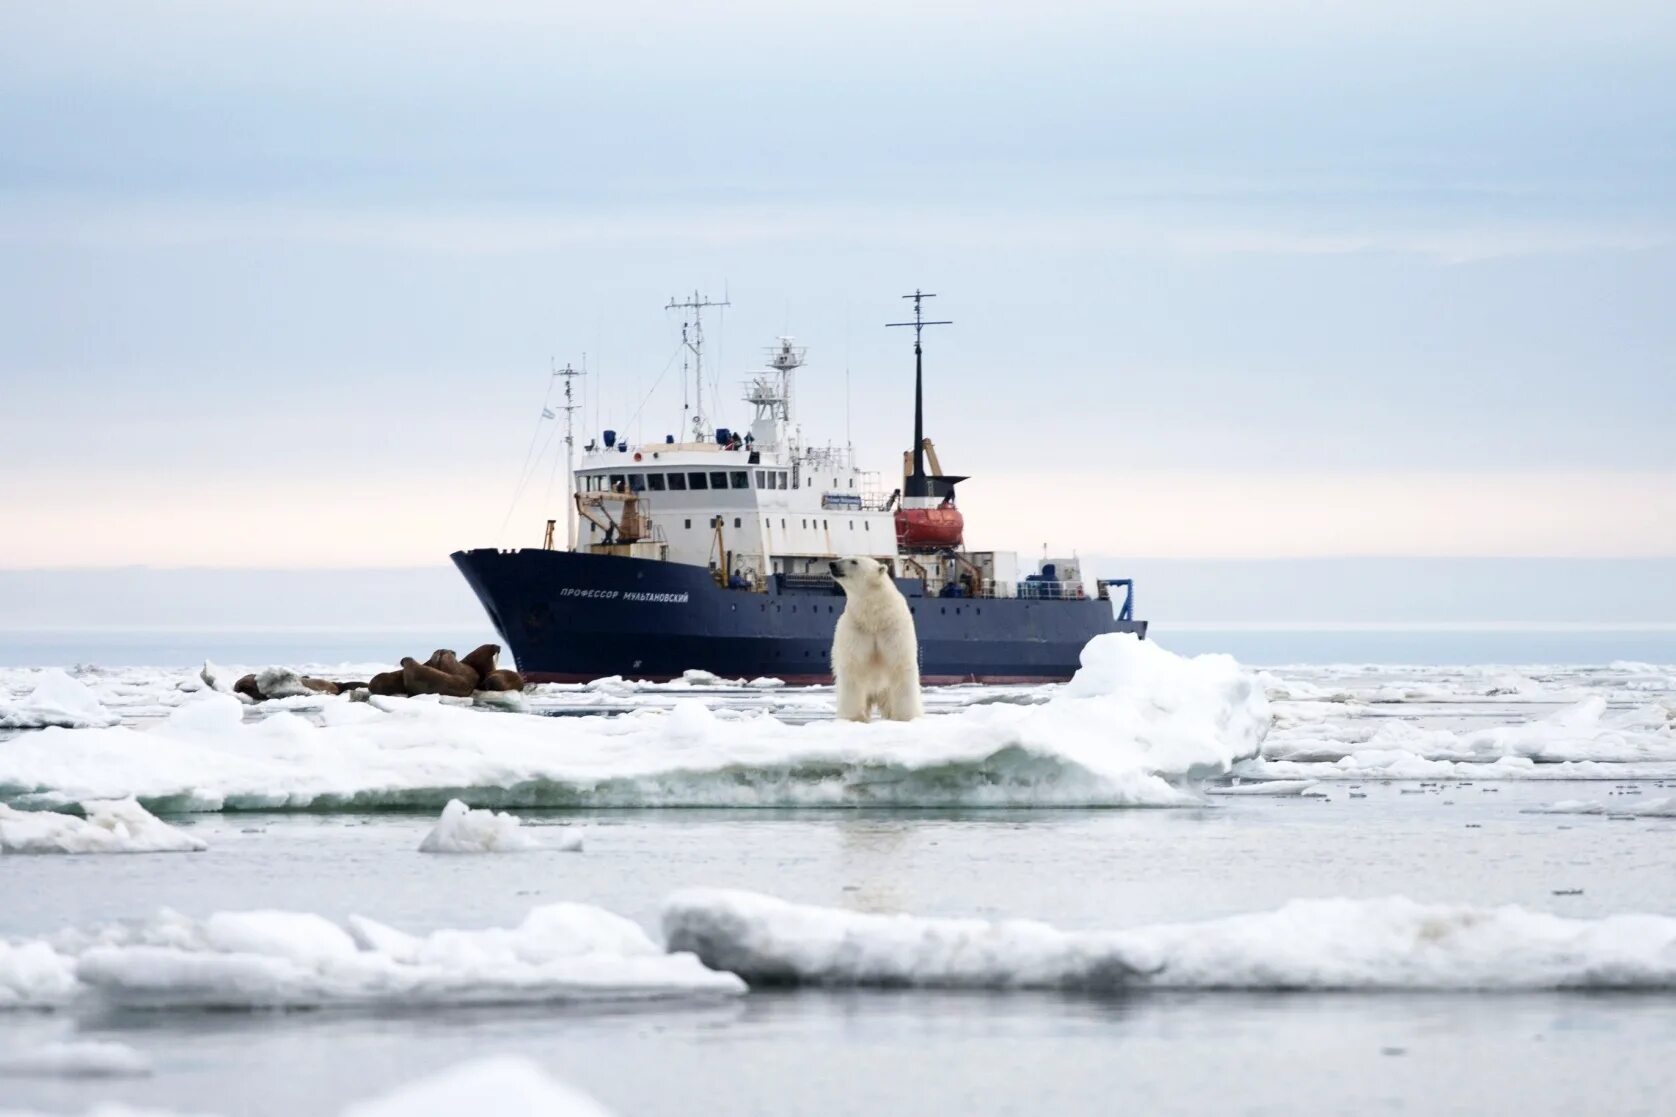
(281, 284)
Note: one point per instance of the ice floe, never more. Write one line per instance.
(111, 826)
(55, 700)
(1663, 807)
(1269, 788)
(1307, 944)
(74, 1059)
(463, 830)
(1133, 727)
(278, 959)
(495, 1083)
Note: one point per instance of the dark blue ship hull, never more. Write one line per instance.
(571, 617)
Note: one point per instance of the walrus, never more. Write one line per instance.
(503, 679)
(247, 687)
(443, 675)
(387, 683)
(483, 660)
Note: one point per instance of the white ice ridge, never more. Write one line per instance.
(56, 700)
(74, 1059)
(495, 1084)
(1135, 724)
(111, 826)
(1308, 944)
(463, 830)
(278, 959)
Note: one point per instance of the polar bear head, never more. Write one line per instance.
(859, 573)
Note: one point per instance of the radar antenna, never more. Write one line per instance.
(692, 337)
(917, 485)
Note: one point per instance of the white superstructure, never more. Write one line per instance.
(745, 503)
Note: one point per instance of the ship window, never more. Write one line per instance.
(689, 525)
(805, 525)
(824, 526)
(718, 480)
(865, 526)
(781, 483)
(654, 481)
(782, 525)
(677, 482)
(852, 482)
(697, 481)
(616, 482)
(736, 521)
(741, 479)
(762, 478)
(637, 482)
(852, 525)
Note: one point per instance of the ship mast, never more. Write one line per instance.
(692, 336)
(917, 484)
(570, 408)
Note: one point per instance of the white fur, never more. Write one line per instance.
(875, 654)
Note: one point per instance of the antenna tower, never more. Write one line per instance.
(692, 337)
(917, 484)
(570, 407)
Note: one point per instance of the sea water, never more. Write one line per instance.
(1465, 839)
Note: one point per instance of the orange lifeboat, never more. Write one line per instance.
(922, 529)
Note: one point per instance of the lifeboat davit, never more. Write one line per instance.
(930, 528)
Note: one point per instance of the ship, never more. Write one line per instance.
(713, 552)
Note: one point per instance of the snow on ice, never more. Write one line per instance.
(56, 700)
(463, 830)
(1133, 726)
(111, 826)
(278, 959)
(1663, 807)
(1307, 944)
(496, 1083)
(75, 1059)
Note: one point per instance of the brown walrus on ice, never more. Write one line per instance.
(441, 674)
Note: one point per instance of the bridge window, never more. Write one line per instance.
(782, 482)
(866, 526)
(637, 482)
(654, 481)
(762, 478)
(718, 479)
(736, 521)
(616, 482)
(741, 479)
(677, 482)
(689, 525)
(697, 481)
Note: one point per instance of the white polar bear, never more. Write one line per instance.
(875, 654)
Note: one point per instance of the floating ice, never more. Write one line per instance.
(498, 1083)
(1664, 807)
(111, 826)
(56, 700)
(277, 959)
(463, 830)
(75, 1059)
(1133, 725)
(1308, 944)
(1267, 788)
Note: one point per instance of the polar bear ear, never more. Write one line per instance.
(881, 571)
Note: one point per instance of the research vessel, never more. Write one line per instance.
(711, 551)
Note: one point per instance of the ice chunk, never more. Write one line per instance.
(35, 975)
(75, 1059)
(496, 1084)
(1308, 944)
(57, 700)
(111, 826)
(269, 959)
(463, 830)
(1663, 807)
(1134, 728)
(1267, 788)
